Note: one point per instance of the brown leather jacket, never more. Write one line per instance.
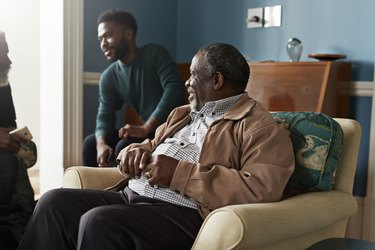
(246, 158)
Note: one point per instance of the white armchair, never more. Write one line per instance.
(294, 223)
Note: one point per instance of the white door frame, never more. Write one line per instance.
(61, 95)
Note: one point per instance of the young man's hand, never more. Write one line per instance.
(104, 152)
(132, 131)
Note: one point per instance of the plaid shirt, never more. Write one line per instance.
(185, 145)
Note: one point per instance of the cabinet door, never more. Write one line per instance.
(297, 86)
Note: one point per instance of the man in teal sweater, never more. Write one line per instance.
(144, 78)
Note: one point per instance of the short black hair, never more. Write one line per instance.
(226, 59)
(120, 16)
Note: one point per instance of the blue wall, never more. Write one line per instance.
(324, 26)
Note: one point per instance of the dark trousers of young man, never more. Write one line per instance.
(90, 219)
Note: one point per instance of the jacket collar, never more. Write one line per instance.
(241, 108)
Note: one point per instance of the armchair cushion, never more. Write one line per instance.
(317, 141)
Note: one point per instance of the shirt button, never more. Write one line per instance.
(246, 174)
(201, 115)
(182, 144)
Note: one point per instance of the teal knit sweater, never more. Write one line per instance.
(150, 83)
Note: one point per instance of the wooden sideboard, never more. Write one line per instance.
(302, 86)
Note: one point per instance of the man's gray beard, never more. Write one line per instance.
(4, 78)
(194, 105)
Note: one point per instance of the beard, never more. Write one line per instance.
(120, 51)
(194, 105)
(4, 78)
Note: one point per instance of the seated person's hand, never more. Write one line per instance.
(133, 161)
(160, 171)
(104, 153)
(133, 131)
(10, 142)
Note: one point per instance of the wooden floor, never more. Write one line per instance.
(34, 179)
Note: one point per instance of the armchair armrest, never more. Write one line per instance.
(266, 225)
(91, 177)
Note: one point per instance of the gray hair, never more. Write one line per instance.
(226, 59)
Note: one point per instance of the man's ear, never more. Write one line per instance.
(218, 80)
(128, 33)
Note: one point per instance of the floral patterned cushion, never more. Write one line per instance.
(317, 141)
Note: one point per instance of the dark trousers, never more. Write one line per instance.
(89, 147)
(90, 219)
(8, 177)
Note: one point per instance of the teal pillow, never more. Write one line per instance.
(317, 142)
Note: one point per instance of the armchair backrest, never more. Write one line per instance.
(346, 171)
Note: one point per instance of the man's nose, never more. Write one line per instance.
(187, 83)
(103, 44)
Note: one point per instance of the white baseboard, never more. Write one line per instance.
(91, 78)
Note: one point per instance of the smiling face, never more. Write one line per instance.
(113, 38)
(200, 84)
(217, 71)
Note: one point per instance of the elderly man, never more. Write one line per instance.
(9, 144)
(16, 194)
(221, 150)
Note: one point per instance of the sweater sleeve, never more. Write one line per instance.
(109, 102)
(170, 79)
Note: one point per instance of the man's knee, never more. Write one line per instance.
(89, 151)
(52, 200)
(94, 215)
(89, 142)
(93, 221)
